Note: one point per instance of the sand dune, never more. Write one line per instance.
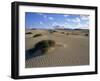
(72, 48)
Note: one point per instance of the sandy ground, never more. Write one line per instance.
(74, 49)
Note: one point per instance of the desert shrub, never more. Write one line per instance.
(51, 31)
(67, 33)
(62, 32)
(75, 34)
(37, 35)
(86, 34)
(28, 32)
(44, 45)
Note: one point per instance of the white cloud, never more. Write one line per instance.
(66, 15)
(67, 25)
(41, 22)
(57, 25)
(83, 26)
(45, 16)
(54, 23)
(78, 25)
(51, 18)
(40, 13)
(76, 20)
(84, 17)
(68, 20)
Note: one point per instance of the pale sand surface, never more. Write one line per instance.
(74, 49)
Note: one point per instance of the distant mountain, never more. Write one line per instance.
(58, 27)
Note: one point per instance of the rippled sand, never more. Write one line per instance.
(74, 49)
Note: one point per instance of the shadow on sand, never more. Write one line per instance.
(39, 49)
(33, 52)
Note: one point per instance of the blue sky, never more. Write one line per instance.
(51, 21)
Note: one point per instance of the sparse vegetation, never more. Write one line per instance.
(62, 32)
(51, 31)
(75, 33)
(28, 32)
(37, 35)
(44, 45)
(67, 33)
(86, 34)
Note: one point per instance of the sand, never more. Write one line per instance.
(74, 49)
